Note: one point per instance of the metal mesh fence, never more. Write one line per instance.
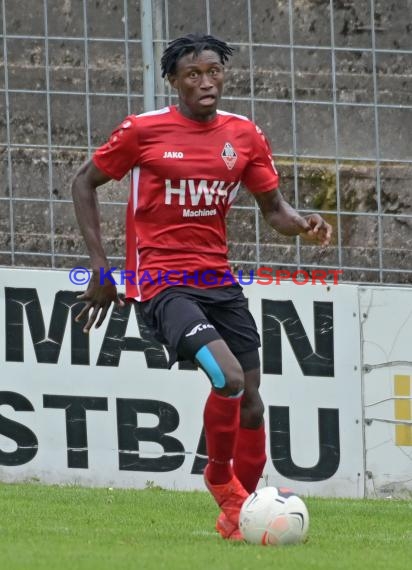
(329, 81)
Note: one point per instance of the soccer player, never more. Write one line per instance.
(187, 163)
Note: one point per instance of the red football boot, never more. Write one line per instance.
(226, 529)
(230, 497)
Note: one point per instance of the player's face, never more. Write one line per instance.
(199, 83)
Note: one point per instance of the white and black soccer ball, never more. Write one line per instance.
(274, 516)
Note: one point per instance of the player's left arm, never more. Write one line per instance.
(261, 174)
(282, 217)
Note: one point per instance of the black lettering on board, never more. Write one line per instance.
(329, 446)
(76, 424)
(25, 439)
(46, 346)
(115, 340)
(201, 457)
(130, 435)
(317, 361)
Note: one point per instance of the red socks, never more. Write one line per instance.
(225, 441)
(250, 457)
(221, 419)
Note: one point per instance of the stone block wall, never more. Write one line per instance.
(341, 136)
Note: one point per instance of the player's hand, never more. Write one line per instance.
(316, 229)
(98, 298)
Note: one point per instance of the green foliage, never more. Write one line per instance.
(74, 528)
(324, 185)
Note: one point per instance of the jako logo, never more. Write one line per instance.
(173, 154)
(199, 328)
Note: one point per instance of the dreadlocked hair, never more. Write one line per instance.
(192, 43)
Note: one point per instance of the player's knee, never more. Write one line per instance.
(226, 377)
(235, 380)
(252, 410)
(255, 414)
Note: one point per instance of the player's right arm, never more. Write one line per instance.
(84, 185)
(99, 296)
(112, 160)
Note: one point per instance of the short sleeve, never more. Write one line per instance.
(121, 152)
(260, 175)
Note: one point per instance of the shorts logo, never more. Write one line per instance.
(199, 328)
(229, 155)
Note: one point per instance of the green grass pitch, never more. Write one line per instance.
(74, 528)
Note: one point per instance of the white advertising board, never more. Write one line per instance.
(386, 314)
(104, 410)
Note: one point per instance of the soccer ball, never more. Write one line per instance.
(274, 516)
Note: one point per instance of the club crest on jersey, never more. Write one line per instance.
(229, 155)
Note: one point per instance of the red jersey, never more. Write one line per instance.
(185, 175)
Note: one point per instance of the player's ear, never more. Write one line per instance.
(172, 80)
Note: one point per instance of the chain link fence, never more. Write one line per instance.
(329, 81)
